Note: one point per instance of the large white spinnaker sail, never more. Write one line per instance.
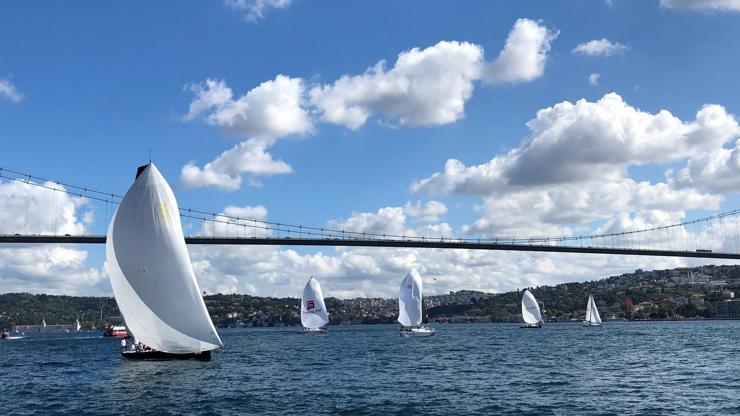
(530, 309)
(409, 300)
(150, 270)
(313, 309)
(592, 313)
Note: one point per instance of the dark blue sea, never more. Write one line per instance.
(625, 368)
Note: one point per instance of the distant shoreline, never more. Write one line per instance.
(489, 323)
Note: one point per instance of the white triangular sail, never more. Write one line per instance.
(150, 270)
(530, 309)
(77, 325)
(592, 312)
(409, 300)
(313, 309)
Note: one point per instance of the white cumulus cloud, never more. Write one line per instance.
(593, 79)
(255, 9)
(715, 171)
(524, 56)
(225, 171)
(9, 91)
(600, 47)
(269, 111)
(567, 210)
(431, 86)
(424, 87)
(272, 109)
(587, 141)
(703, 5)
(573, 168)
(429, 212)
(236, 221)
(29, 209)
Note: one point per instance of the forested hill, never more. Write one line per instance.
(659, 294)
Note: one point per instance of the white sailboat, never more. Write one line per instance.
(77, 325)
(411, 311)
(530, 311)
(314, 316)
(43, 323)
(592, 313)
(152, 277)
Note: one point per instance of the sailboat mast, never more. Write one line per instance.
(424, 316)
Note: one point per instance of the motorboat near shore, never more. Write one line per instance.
(116, 331)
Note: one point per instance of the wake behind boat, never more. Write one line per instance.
(530, 311)
(592, 313)
(411, 309)
(152, 277)
(314, 316)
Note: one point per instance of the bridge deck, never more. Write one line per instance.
(447, 244)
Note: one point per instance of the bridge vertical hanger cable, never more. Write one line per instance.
(54, 211)
(737, 246)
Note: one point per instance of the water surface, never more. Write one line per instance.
(646, 368)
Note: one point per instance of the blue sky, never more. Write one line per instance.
(97, 84)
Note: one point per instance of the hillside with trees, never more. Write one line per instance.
(685, 293)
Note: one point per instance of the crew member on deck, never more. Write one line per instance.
(123, 344)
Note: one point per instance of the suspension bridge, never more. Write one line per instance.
(716, 236)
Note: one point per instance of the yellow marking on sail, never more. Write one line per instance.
(164, 214)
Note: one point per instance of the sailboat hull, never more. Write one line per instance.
(531, 326)
(418, 332)
(587, 323)
(159, 355)
(311, 331)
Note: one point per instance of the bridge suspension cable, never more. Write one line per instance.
(287, 229)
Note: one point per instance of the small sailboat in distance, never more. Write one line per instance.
(152, 277)
(314, 316)
(592, 313)
(77, 325)
(411, 310)
(530, 311)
